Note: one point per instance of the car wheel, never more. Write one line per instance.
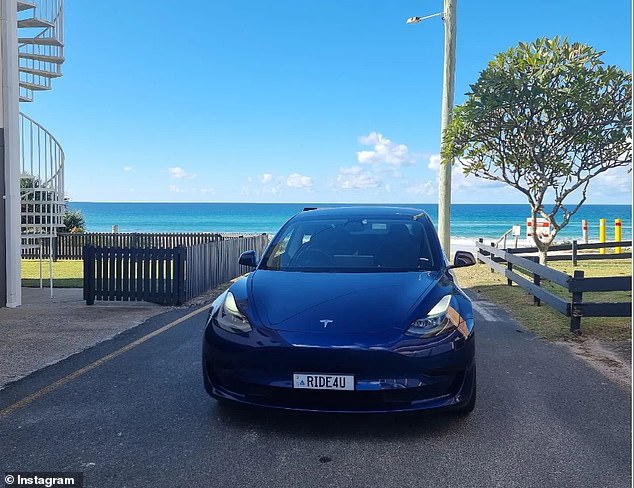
(467, 408)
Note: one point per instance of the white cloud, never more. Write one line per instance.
(176, 189)
(615, 179)
(265, 178)
(390, 171)
(352, 170)
(355, 178)
(274, 190)
(274, 185)
(127, 168)
(296, 180)
(384, 151)
(208, 190)
(179, 173)
(424, 188)
(611, 183)
(434, 162)
(458, 179)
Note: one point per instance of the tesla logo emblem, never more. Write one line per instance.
(326, 322)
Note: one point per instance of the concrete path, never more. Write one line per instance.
(45, 330)
(142, 419)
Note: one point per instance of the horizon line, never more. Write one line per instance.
(330, 203)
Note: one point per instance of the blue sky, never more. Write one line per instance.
(287, 101)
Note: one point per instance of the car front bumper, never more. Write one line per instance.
(391, 375)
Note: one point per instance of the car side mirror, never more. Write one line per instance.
(462, 259)
(249, 258)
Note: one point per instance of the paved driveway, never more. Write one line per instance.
(142, 419)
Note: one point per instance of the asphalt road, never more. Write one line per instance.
(142, 419)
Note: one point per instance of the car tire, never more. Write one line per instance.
(468, 407)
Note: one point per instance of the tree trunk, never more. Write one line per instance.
(542, 246)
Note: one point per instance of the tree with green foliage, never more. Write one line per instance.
(544, 117)
(74, 221)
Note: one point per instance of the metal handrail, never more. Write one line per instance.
(42, 160)
(503, 238)
(51, 11)
(40, 126)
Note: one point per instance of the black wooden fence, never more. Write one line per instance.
(529, 274)
(70, 246)
(574, 249)
(164, 276)
(127, 274)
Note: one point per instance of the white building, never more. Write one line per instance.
(31, 159)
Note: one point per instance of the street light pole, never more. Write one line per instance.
(449, 75)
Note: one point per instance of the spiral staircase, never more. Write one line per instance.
(40, 57)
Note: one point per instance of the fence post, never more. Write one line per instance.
(54, 247)
(492, 256)
(574, 253)
(478, 260)
(509, 267)
(537, 279)
(89, 274)
(577, 299)
(180, 255)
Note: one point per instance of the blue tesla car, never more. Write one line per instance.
(349, 310)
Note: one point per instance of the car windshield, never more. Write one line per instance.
(364, 245)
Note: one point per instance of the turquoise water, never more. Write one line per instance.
(467, 221)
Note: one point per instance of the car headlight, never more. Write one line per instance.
(230, 318)
(441, 318)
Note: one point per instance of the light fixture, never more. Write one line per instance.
(416, 20)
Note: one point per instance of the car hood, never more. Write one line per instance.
(341, 302)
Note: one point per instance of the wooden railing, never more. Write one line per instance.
(530, 275)
(574, 247)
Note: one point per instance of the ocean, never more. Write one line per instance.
(468, 221)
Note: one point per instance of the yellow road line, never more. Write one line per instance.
(66, 379)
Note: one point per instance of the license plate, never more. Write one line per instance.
(312, 381)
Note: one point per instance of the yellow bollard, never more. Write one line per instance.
(617, 234)
(602, 234)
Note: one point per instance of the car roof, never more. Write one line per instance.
(363, 211)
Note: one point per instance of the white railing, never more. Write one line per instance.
(504, 237)
(41, 180)
(46, 54)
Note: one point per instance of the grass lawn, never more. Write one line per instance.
(544, 320)
(66, 273)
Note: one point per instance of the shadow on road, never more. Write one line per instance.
(335, 425)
